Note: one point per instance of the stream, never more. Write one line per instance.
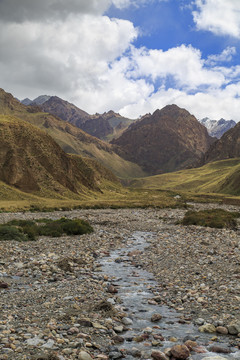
(134, 290)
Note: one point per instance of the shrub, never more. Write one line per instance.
(23, 230)
(11, 233)
(215, 218)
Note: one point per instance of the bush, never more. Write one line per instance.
(215, 218)
(11, 233)
(65, 226)
(22, 230)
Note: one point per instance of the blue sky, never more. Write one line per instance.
(132, 56)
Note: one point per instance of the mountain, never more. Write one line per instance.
(216, 128)
(26, 101)
(38, 101)
(216, 177)
(225, 148)
(103, 126)
(71, 139)
(168, 140)
(31, 161)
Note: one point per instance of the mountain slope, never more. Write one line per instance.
(32, 162)
(104, 126)
(216, 177)
(216, 128)
(70, 138)
(226, 147)
(168, 140)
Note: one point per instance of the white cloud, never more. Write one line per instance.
(225, 56)
(183, 63)
(71, 50)
(62, 56)
(221, 17)
(214, 104)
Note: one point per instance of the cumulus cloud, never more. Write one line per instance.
(30, 10)
(225, 56)
(71, 49)
(183, 63)
(221, 17)
(214, 104)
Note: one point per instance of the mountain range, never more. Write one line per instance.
(103, 126)
(43, 153)
(216, 128)
(71, 139)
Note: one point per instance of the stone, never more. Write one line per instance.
(118, 329)
(49, 344)
(83, 355)
(219, 349)
(222, 330)
(234, 328)
(191, 344)
(118, 339)
(214, 358)
(158, 355)
(127, 321)
(180, 352)
(34, 341)
(207, 328)
(112, 289)
(4, 285)
(156, 317)
(199, 321)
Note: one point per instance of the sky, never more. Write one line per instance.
(130, 56)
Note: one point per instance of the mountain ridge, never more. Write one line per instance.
(167, 140)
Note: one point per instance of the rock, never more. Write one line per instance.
(127, 321)
(158, 355)
(115, 355)
(219, 349)
(34, 341)
(222, 330)
(49, 344)
(180, 352)
(83, 355)
(118, 339)
(214, 358)
(4, 285)
(199, 321)
(73, 330)
(234, 328)
(207, 328)
(112, 289)
(191, 344)
(156, 317)
(118, 329)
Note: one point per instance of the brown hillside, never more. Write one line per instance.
(225, 148)
(31, 161)
(71, 139)
(169, 140)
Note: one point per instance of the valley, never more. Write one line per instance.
(87, 283)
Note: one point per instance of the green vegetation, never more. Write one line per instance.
(215, 218)
(220, 177)
(23, 230)
(11, 233)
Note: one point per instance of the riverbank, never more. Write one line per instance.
(56, 299)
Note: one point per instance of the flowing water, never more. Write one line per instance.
(134, 289)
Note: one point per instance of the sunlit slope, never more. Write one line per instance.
(32, 162)
(71, 139)
(217, 177)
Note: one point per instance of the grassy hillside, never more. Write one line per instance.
(71, 139)
(218, 177)
(32, 162)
